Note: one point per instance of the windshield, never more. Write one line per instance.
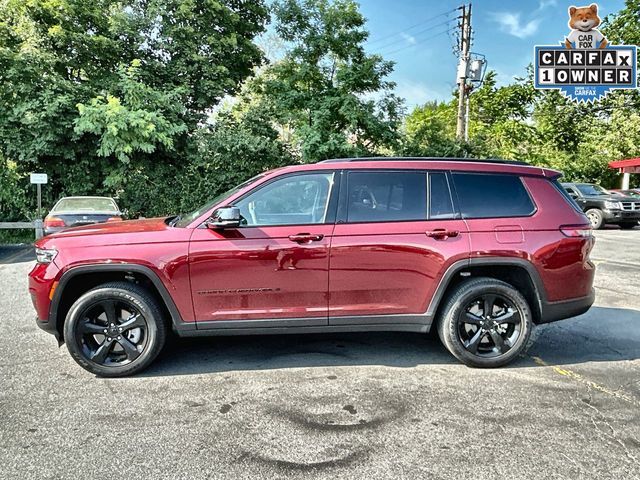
(587, 189)
(630, 193)
(86, 204)
(186, 219)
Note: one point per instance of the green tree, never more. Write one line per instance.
(221, 155)
(430, 132)
(327, 92)
(84, 85)
(142, 121)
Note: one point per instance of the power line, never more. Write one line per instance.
(432, 27)
(412, 26)
(443, 32)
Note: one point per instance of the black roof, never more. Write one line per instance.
(425, 159)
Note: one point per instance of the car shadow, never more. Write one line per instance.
(602, 334)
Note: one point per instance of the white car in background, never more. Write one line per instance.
(77, 211)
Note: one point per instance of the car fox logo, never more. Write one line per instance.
(584, 34)
(585, 67)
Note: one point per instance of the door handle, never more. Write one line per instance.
(442, 234)
(306, 237)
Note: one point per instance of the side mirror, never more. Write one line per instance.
(225, 217)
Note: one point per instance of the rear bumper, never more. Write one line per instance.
(554, 311)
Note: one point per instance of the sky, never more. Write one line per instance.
(418, 36)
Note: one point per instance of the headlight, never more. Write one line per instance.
(612, 205)
(44, 255)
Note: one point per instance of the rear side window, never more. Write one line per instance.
(386, 196)
(483, 195)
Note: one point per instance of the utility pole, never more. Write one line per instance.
(465, 45)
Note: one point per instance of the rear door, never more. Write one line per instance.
(396, 233)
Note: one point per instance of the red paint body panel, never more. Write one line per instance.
(150, 242)
(562, 263)
(390, 268)
(253, 273)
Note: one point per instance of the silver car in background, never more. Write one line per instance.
(77, 211)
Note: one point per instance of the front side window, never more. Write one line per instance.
(486, 195)
(292, 200)
(386, 196)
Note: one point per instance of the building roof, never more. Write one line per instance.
(629, 162)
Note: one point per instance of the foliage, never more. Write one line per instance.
(430, 132)
(137, 123)
(322, 92)
(221, 156)
(87, 88)
(13, 193)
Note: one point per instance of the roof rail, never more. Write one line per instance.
(425, 159)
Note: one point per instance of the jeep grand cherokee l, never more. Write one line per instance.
(479, 250)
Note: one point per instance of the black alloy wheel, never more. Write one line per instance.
(489, 325)
(115, 329)
(485, 322)
(113, 332)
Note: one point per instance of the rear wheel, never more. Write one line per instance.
(115, 329)
(628, 225)
(596, 218)
(485, 323)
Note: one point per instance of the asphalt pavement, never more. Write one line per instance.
(378, 405)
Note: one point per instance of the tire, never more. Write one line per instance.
(628, 225)
(461, 332)
(105, 342)
(596, 218)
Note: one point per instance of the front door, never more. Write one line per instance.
(276, 264)
(393, 240)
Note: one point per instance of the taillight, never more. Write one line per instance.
(114, 219)
(576, 231)
(53, 222)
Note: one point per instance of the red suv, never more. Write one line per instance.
(479, 249)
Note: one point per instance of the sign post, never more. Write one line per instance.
(39, 179)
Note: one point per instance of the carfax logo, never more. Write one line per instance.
(585, 67)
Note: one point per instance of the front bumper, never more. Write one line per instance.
(554, 311)
(41, 281)
(621, 216)
(49, 327)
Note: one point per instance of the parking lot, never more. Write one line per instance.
(383, 405)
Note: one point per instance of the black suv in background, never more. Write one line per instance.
(602, 206)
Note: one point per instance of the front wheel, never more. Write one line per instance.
(596, 218)
(485, 323)
(115, 329)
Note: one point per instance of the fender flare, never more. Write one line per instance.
(461, 265)
(176, 318)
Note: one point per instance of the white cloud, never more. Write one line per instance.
(513, 25)
(542, 4)
(411, 40)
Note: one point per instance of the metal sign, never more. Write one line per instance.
(585, 75)
(39, 178)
